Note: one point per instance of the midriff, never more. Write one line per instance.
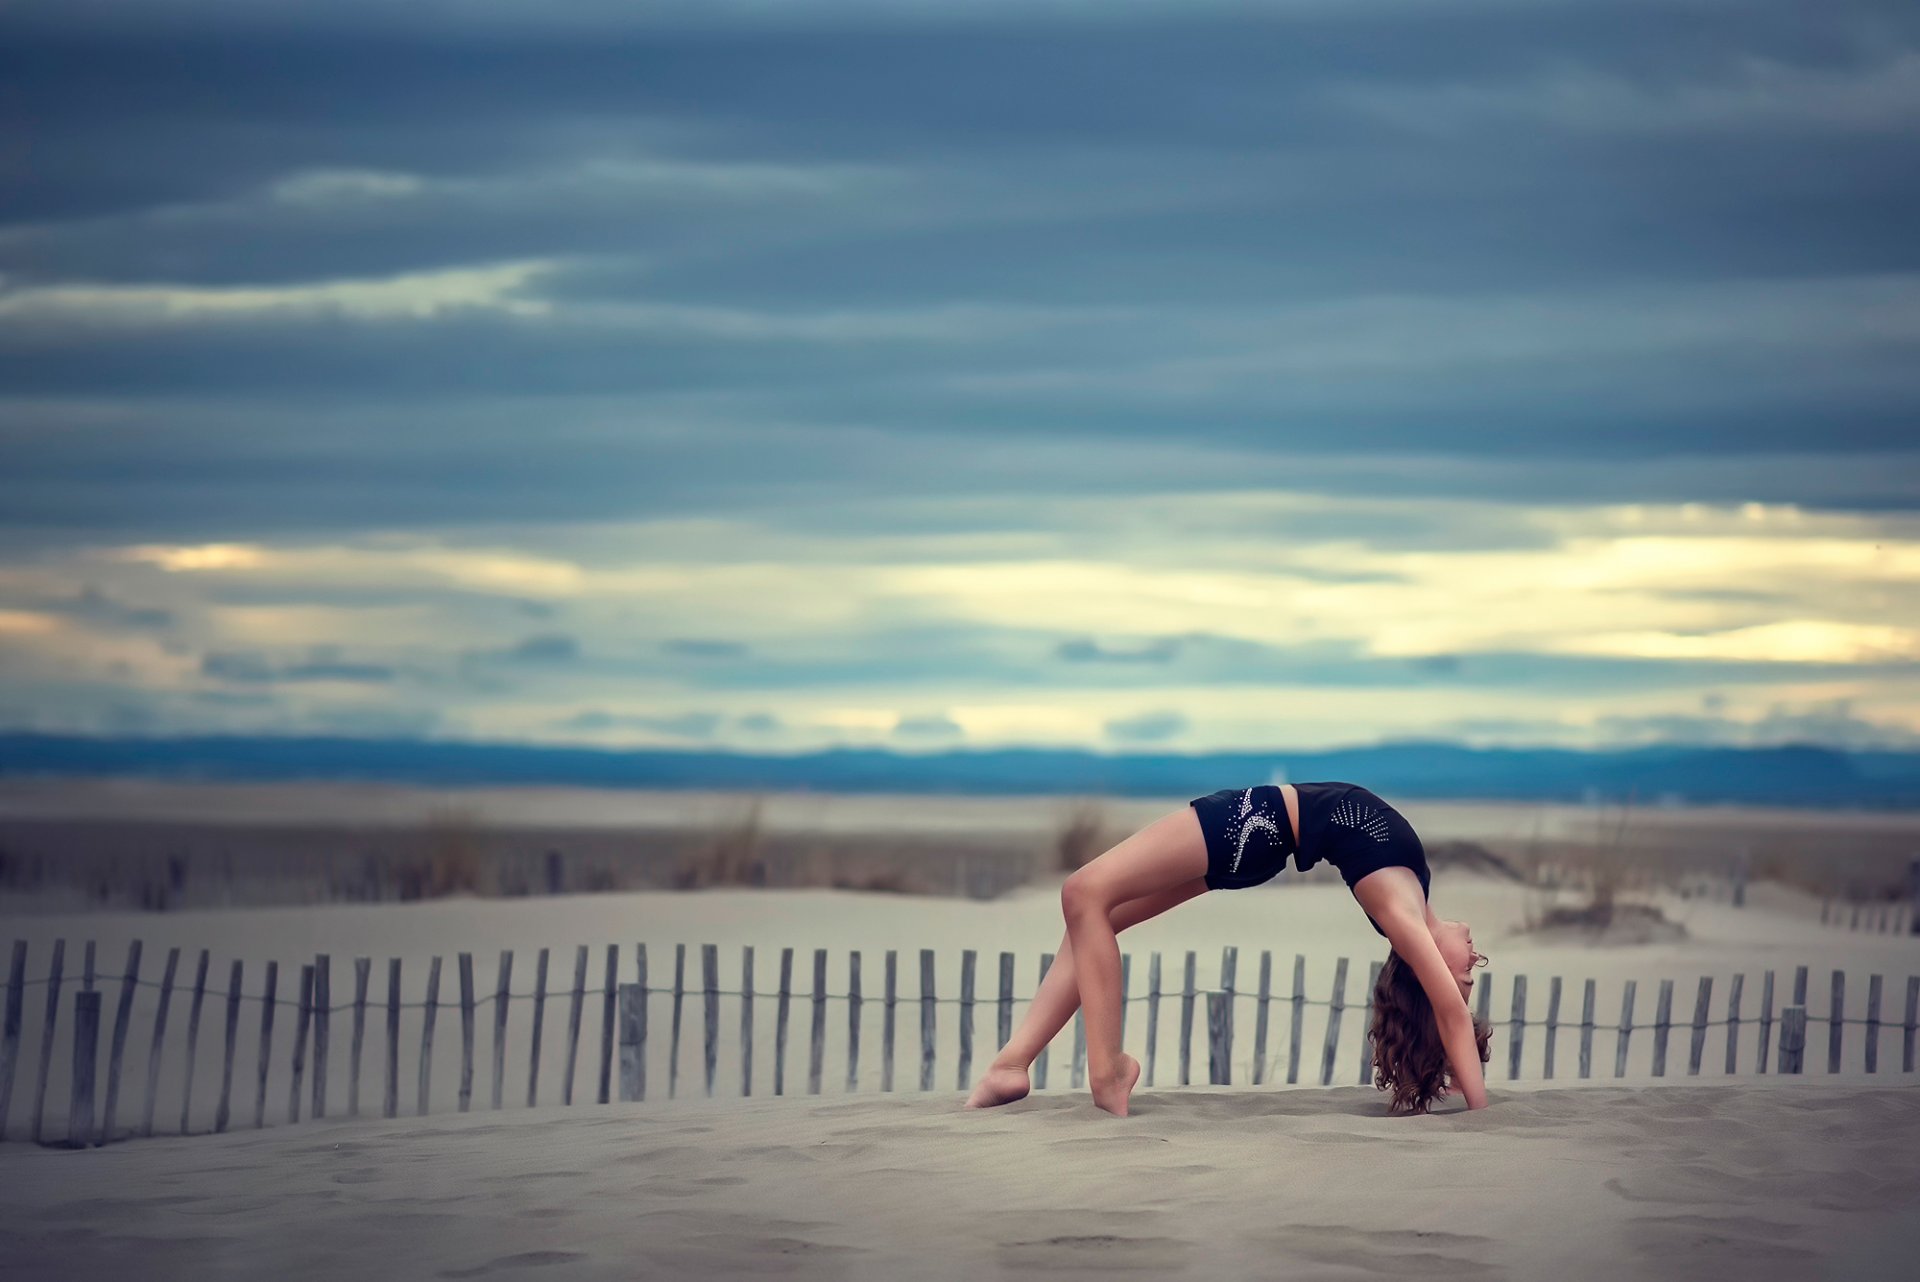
(1292, 796)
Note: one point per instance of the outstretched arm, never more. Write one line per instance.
(1407, 931)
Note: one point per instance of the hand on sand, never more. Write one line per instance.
(1000, 1085)
(1112, 1094)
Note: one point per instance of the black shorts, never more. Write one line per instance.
(1248, 835)
(1249, 839)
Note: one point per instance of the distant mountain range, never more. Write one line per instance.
(1792, 775)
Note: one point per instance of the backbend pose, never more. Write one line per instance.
(1426, 1043)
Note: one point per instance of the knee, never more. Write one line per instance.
(1080, 895)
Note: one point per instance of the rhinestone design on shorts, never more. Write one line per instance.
(1359, 815)
(1246, 823)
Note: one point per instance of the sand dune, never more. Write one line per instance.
(1794, 1180)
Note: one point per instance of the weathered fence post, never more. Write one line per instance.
(1260, 1017)
(710, 1000)
(1186, 1023)
(432, 1005)
(640, 983)
(746, 1020)
(361, 969)
(86, 1048)
(632, 1042)
(784, 1000)
(1911, 1025)
(1766, 1017)
(573, 1021)
(1835, 1021)
(390, 1105)
(967, 959)
(1519, 1021)
(889, 1001)
(780, 1019)
(1733, 1021)
(159, 1041)
(1299, 1011)
(268, 1000)
(1793, 1038)
(926, 1019)
(10, 1032)
(1873, 1023)
(193, 1032)
(1586, 1030)
(1553, 1024)
(232, 1042)
(608, 1018)
(322, 1023)
(466, 1031)
(1038, 1072)
(1004, 1025)
(818, 1047)
(1626, 1030)
(1219, 1038)
(853, 1020)
(539, 1026)
(673, 1034)
(1334, 1008)
(1699, 1024)
(1366, 1023)
(123, 1013)
(1153, 1012)
(1661, 1021)
(52, 1026)
(299, 1042)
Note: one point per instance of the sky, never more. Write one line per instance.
(1140, 376)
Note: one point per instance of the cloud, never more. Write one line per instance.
(684, 725)
(1161, 650)
(248, 668)
(1148, 727)
(932, 725)
(705, 649)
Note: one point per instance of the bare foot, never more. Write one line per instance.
(1000, 1085)
(1113, 1093)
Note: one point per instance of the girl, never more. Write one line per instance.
(1426, 1043)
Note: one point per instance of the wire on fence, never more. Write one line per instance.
(103, 978)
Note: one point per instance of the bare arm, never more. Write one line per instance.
(1406, 928)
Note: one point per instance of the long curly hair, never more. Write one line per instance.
(1408, 1057)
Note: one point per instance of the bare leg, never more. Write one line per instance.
(1161, 865)
(1055, 1001)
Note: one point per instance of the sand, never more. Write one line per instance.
(1790, 1180)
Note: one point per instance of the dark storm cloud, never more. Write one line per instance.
(1571, 246)
(99, 609)
(258, 669)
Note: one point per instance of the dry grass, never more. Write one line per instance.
(452, 862)
(1604, 876)
(731, 855)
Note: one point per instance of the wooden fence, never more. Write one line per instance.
(618, 1068)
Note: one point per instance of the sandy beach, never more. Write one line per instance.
(1676, 1175)
(1792, 1181)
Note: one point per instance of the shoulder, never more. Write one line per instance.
(1393, 894)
